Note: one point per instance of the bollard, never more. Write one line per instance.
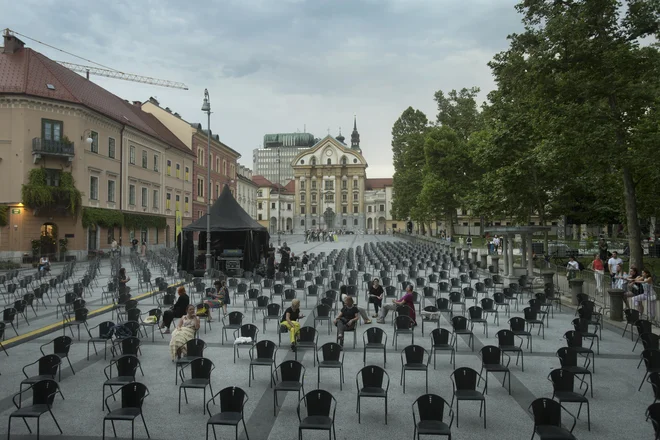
(616, 304)
(576, 289)
(484, 262)
(496, 263)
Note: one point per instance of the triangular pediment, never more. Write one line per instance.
(329, 149)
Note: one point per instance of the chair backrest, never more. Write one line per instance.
(265, 349)
(195, 348)
(331, 351)
(654, 380)
(562, 380)
(201, 368)
(249, 331)
(465, 378)
(133, 394)
(319, 403)
(475, 312)
(530, 313)
(415, 354)
(547, 412)
(403, 322)
(517, 324)
(133, 314)
(491, 355)
(442, 303)
(232, 400)
(487, 303)
(313, 289)
(373, 376)
(48, 365)
(459, 323)
(43, 392)
(468, 292)
(505, 338)
(323, 310)
(375, 335)
(291, 371)
(440, 336)
(573, 338)
(653, 413)
(631, 315)
(650, 340)
(289, 294)
(455, 297)
(430, 407)
(126, 365)
(262, 301)
(651, 359)
(130, 345)
(235, 318)
(62, 345)
(567, 357)
(644, 326)
(273, 309)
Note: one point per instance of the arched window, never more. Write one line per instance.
(329, 162)
(312, 161)
(343, 160)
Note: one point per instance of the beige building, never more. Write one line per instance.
(275, 205)
(246, 191)
(378, 204)
(56, 125)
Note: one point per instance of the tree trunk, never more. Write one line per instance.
(450, 224)
(634, 230)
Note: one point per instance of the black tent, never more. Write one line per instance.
(231, 228)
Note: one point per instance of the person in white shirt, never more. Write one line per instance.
(612, 264)
(572, 268)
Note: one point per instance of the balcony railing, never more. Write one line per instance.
(52, 148)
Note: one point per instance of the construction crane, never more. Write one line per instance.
(121, 75)
(104, 70)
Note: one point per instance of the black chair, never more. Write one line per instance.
(431, 413)
(232, 403)
(293, 379)
(563, 389)
(126, 367)
(506, 341)
(568, 359)
(104, 336)
(649, 341)
(441, 341)
(642, 326)
(575, 340)
(459, 325)
(194, 350)
(430, 314)
(43, 396)
(456, 299)
(261, 305)
(374, 338)
(414, 358)
(631, 316)
(476, 314)
(547, 420)
(322, 313)
(372, 378)
(80, 318)
(492, 360)
(489, 308)
(47, 368)
(333, 358)
(8, 316)
(581, 325)
(245, 331)
(272, 314)
(465, 382)
(654, 380)
(518, 326)
(2, 336)
(234, 322)
(321, 407)
(403, 325)
(154, 316)
(653, 413)
(200, 378)
(61, 347)
(265, 356)
(132, 398)
(307, 339)
(532, 320)
(651, 358)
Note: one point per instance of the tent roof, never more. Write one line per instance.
(226, 215)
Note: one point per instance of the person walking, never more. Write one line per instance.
(612, 265)
(599, 269)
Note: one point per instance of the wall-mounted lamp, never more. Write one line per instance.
(88, 139)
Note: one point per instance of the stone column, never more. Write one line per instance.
(576, 289)
(505, 254)
(496, 263)
(466, 254)
(484, 261)
(523, 248)
(475, 256)
(510, 251)
(616, 304)
(457, 253)
(548, 278)
(530, 260)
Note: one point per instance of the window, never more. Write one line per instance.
(217, 190)
(144, 159)
(156, 166)
(145, 197)
(344, 197)
(224, 167)
(355, 222)
(369, 208)
(51, 130)
(313, 184)
(313, 210)
(329, 197)
(313, 222)
(169, 167)
(355, 183)
(260, 205)
(302, 222)
(313, 197)
(302, 197)
(53, 177)
(329, 162)
(94, 148)
(344, 210)
(168, 201)
(302, 185)
(344, 184)
(394, 226)
(272, 205)
(187, 174)
(94, 188)
(186, 202)
(312, 161)
(111, 235)
(233, 171)
(178, 171)
(156, 201)
(355, 209)
(343, 160)
(381, 208)
(177, 205)
(355, 197)
(260, 193)
(343, 222)
(288, 206)
(217, 164)
(200, 156)
(211, 160)
(260, 217)
(200, 214)
(302, 210)
(329, 185)
(131, 194)
(200, 187)
(111, 191)
(111, 148)
(131, 155)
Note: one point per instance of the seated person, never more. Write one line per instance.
(178, 310)
(361, 310)
(376, 295)
(290, 321)
(406, 300)
(346, 319)
(184, 332)
(44, 264)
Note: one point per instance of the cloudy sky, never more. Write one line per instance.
(281, 65)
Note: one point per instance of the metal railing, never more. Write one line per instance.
(59, 148)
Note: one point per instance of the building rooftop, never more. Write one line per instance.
(378, 183)
(24, 71)
(289, 140)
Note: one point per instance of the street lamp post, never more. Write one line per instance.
(206, 107)
(279, 194)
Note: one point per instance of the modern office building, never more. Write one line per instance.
(273, 161)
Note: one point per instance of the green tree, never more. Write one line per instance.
(459, 111)
(408, 135)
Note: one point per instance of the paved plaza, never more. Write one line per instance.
(617, 408)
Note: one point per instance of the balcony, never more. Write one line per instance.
(43, 147)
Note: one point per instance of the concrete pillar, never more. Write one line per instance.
(576, 289)
(530, 260)
(475, 256)
(523, 248)
(548, 278)
(496, 263)
(458, 252)
(616, 304)
(510, 252)
(466, 254)
(484, 261)
(505, 254)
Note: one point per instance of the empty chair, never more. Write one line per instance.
(61, 347)
(631, 316)
(642, 326)
(372, 382)
(532, 320)
(320, 408)
(414, 358)
(547, 420)
(499, 300)
(307, 338)
(80, 318)
(292, 374)
(476, 314)
(430, 409)
(132, 399)
(332, 358)
(455, 299)
(47, 368)
(441, 341)
(492, 360)
(568, 359)
(250, 331)
(200, 377)
(403, 325)
(459, 325)
(374, 338)
(322, 313)
(262, 354)
(575, 340)
(653, 413)
(125, 367)
(581, 325)
(466, 381)
(272, 314)
(234, 321)
(651, 358)
(506, 341)
(519, 328)
(8, 316)
(193, 349)
(105, 332)
(232, 403)
(43, 396)
(488, 307)
(563, 389)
